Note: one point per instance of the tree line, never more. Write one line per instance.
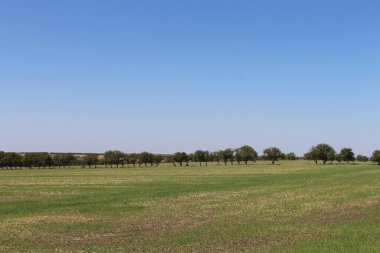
(245, 154)
(324, 152)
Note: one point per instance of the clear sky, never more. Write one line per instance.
(166, 76)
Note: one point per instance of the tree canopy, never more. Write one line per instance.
(272, 154)
(246, 153)
(376, 157)
(347, 155)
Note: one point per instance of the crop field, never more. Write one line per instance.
(293, 206)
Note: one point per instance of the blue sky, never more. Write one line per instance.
(166, 76)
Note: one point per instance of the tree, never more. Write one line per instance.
(322, 152)
(132, 159)
(157, 159)
(145, 158)
(29, 160)
(113, 157)
(339, 158)
(272, 154)
(200, 156)
(57, 160)
(190, 157)
(207, 157)
(246, 153)
(227, 155)
(376, 157)
(43, 159)
(39, 159)
(217, 156)
(362, 158)
(180, 157)
(170, 159)
(290, 156)
(325, 152)
(312, 155)
(237, 156)
(347, 155)
(11, 160)
(67, 159)
(1, 159)
(91, 159)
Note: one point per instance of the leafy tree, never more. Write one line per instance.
(227, 155)
(191, 157)
(67, 159)
(48, 161)
(145, 158)
(312, 155)
(180, 157)
(108, 157)
(11, 160)
(339, 158)
(43, 159)
(39, 160)
(157, 159)
(1, 159)
(237, 156)
(170, 159)
(246, 153)
(29, 160)
(290, 156)
(376, 157)
(91, 159)
(63, 160)
(151, 159)
(132, 159)
(325, 152)
(322, 152)
(217, 156)
(113, 157)
(57, 160)
(362, 158)
(347, 155)
(272, 154)
(200, 156)
(207, 157)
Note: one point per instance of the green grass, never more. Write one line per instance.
(290, 207)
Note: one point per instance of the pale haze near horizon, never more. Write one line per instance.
(89, 76)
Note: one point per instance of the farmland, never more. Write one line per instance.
(292, 206)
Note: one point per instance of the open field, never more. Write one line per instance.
(291, 207)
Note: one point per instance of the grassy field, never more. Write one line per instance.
(290, 207)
